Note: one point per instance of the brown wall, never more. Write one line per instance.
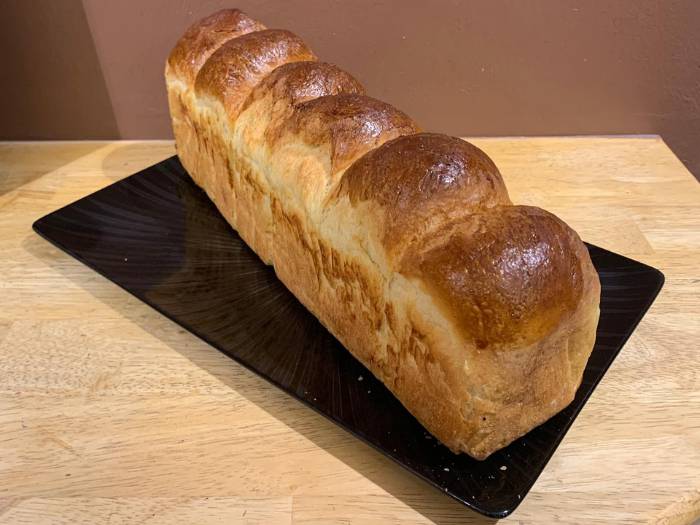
(51, 85)
(481, 67)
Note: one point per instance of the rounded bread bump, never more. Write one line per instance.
(507, 276)
(240, 64)
(206, 36)
(351, 124)
(421, 181)
(297, 82)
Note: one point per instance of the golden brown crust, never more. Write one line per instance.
(298, 82)
(206, 36)
(508, 276)
(234, 69)
(350, 124)
(422, 180)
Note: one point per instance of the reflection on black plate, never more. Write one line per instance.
(158, 236)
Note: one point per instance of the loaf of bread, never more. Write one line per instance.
(479, 315)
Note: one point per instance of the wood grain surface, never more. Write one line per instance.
(111, 413)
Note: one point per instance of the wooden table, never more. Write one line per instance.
(112, 413)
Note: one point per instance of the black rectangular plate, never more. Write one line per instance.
(159, 237)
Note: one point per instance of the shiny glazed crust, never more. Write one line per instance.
(477, 314)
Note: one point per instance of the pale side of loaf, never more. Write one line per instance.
(477, 314)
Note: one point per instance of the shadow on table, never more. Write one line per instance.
(131, 157)
(432, 504)
(53, 157)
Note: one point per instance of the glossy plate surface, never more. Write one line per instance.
(159, 237)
